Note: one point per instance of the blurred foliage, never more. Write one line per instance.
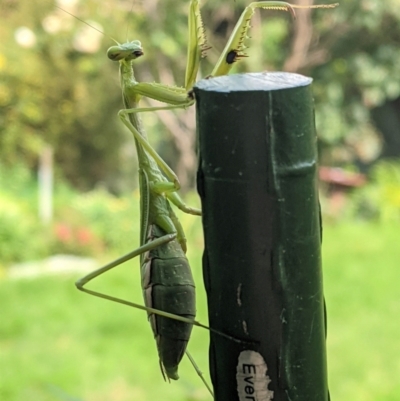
(380, 198)
(53, 93)
(84, 224)
(361, 74)
(57, 86)
(21, 238)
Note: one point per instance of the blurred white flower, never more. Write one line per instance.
(88, 39)
(25, 37)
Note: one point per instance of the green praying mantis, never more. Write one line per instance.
(168, 286)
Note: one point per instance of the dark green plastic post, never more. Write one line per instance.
(257, 180)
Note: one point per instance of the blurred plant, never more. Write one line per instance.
(89, 224)
(380, 198)
(72, 234)
(64, 98)
(21, 238)
(116, 220)
(364, 55)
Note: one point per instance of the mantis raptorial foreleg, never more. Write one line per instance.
(178, 97)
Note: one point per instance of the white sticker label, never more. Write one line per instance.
(251, 377)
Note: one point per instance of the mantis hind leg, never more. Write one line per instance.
(80, 284)
(199, 372)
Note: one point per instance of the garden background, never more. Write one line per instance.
(59, 95)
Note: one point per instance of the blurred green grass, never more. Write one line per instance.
(361, 277)
(53, 338)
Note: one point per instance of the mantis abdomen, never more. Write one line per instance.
(168, 286)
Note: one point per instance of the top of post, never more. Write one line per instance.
(256, 81)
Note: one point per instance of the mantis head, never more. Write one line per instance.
(127, 51)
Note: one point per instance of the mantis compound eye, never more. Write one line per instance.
(114, 53)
